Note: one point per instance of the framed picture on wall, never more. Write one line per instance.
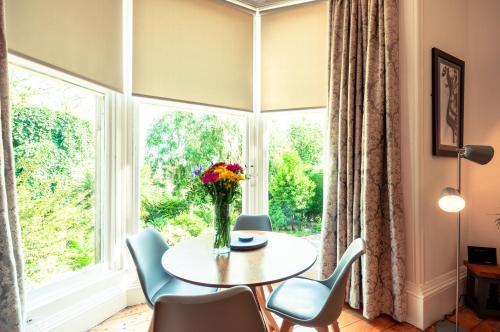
(447, 103)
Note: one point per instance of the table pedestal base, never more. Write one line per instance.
(271, 324)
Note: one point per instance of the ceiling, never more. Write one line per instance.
(258, 4)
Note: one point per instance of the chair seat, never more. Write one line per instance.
(298, 299)
(178, 287)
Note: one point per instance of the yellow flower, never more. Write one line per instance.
(219, 169)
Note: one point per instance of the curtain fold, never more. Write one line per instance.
(11, 261)
(363, 179)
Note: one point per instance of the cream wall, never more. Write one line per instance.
(444, 27)
(482, 122)
(467, 29)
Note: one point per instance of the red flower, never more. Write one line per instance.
(234, 168)
(209, 177)
(219, 164)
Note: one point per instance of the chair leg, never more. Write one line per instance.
(286, 326)
(151, 324)
(268, 317)
(335, 326)
(269, 288)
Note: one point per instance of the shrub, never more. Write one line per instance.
(193, 224)
(174, 234)
(278, 217)
(157, 212)
(290, 189)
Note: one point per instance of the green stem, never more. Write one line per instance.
(222, 225)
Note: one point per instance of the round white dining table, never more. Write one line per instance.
(283, 257)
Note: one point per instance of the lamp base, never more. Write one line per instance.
(445, 326)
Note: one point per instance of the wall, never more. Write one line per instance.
(482, 122)
(444, 27)
(468, 30)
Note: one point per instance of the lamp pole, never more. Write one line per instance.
(451, 200)
(459, 189)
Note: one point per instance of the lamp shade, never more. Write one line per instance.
(450, 200)
(481, 154)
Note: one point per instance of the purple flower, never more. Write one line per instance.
(196, 171)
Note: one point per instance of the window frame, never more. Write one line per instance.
(59, 286)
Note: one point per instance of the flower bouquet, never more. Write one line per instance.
(221, 181)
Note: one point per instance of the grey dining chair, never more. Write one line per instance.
(146, 249)
(229, 310)
(315, 303)
(259, 222)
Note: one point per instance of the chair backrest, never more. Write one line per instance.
(229, 310)
(260, 222)
(146, 249)
(337, 283)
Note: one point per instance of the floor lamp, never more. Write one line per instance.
(452, 201)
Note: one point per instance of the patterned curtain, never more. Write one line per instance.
(11, 268)
(363, 191)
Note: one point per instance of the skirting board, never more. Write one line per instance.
(431, 301)
(135, 294)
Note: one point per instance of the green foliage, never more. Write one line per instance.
(315, 206)
(175, 143)
(159, 211)
(277, 215)
(290, 188)
(57, 227)
(179, 141)
(54, 155)
(191, 223)
(296, 177)
(307, 139)
(174, 234)
(72, 137)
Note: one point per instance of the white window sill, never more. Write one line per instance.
(78, 302)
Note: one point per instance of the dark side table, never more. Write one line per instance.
(482, 294)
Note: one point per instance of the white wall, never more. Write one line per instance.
(444, 27)
(469, 30)
(482, 122)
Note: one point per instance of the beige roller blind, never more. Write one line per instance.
(196, 51)
(82, 37)
(295, 57)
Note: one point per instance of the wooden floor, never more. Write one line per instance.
(136, 319)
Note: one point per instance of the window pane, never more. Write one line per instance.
(172, 143)
(54, 136)
(296, 172)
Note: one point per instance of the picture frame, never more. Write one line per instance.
(448, 74)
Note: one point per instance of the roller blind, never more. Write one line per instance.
(196, 51)
(295, 57)
(82, 37)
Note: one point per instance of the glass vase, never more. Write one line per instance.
(222, 229)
